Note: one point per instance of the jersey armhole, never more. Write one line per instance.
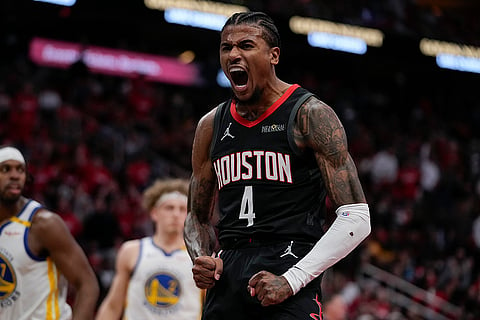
(139, 257)
(291, 121)
(32, 255)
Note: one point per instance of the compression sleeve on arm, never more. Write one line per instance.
(349, 229)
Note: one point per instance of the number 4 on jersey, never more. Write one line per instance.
(246, 208)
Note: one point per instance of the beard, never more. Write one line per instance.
(9, 200)
(254, 98)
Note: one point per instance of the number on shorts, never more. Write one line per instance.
(246, 208)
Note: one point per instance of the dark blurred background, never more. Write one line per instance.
(95, 141)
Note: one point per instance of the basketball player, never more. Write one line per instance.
(38, 255)
(153, 276)
(273, 153)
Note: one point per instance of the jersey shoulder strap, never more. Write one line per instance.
(221, 109)
(293, 116)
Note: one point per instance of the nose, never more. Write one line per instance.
(15, 174)
(234, 53)
(178, 212)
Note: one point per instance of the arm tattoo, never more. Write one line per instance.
(199, 234)
(320, 129)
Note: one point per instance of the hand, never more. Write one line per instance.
(269, 288)
(206, 270)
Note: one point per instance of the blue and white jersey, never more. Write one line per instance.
(162, 286)
(31, 287)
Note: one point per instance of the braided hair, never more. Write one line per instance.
(270, 32)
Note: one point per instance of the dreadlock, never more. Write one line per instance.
(270, 32)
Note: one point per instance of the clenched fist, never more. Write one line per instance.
(206, 270)
(269, 288)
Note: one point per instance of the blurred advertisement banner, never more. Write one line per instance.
(124, 63)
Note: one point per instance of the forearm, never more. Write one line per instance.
(86, 296)
(200, 238)
(110, 310)
(199, 233)
(349, 229)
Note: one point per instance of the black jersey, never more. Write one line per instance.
(268, 188)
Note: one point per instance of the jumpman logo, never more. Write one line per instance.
(288, 251)
(227, 133)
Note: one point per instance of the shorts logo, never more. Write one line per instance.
(317, 316)
(8, 283)
(288, 251)
(162, 290)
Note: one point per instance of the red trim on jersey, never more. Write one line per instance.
(269, 111)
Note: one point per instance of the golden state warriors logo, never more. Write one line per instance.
(162, 290)
(8, 283)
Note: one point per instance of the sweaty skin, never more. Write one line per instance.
(317, 127)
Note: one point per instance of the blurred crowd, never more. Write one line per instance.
(94, 142)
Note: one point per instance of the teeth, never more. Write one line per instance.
(235, 69)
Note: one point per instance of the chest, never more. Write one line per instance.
(14, 251)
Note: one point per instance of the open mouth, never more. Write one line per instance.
(239, 77)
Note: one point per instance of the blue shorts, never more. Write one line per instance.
(229, 298)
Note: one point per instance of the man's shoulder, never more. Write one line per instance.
(207, 120)
(313, 102)
(210, 115)
(130, 245)
(45, 216)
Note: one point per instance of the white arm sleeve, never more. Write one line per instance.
(349, 229)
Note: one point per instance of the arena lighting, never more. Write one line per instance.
(186, 57)
(222, 79)
(337, 42)
(336, 36)
(451, 55)
(197, 19)
(67, 3)
(459, 63)
(217, 8)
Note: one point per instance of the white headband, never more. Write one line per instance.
(10, 153)
(170, 196)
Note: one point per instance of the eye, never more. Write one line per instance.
(226, 47)
(246, 46)
(169, 207)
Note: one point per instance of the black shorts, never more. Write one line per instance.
(229, 298)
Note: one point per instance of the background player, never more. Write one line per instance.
(153, 276)
(38, 255)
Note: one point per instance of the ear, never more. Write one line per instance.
(275, 55)
(153, 214)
